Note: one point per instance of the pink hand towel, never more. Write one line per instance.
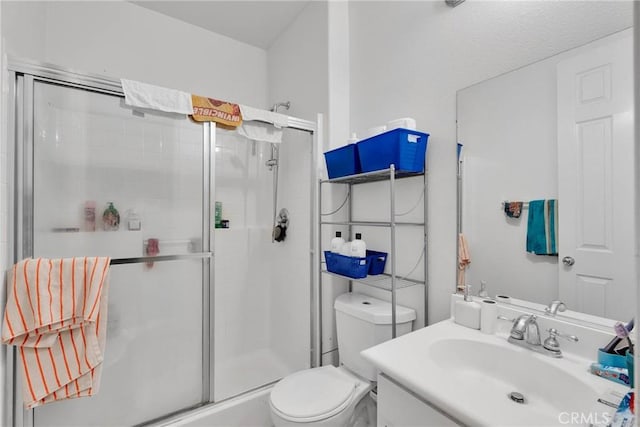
(464, 260)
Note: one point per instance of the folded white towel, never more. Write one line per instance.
(56, 315)
(258, 131)
(252, 114)
(144, 95)
(262, 125)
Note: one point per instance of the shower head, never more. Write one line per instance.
(286, 106)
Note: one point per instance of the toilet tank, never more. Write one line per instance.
(362, 322)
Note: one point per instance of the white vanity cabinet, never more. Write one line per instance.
(398, 407)
(447, 375)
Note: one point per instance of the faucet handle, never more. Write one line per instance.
(553, 332)
(552, 344)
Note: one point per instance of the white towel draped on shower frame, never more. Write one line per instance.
(262, 125)
(144, 95)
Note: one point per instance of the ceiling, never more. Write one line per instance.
(256, 22)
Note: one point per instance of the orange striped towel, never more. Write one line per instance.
(56, 314)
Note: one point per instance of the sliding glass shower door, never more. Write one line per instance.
(91, 154)
(262, 289)
(196, 314)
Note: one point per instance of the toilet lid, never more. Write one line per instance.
(313, 394)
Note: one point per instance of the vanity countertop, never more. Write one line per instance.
(469, 375)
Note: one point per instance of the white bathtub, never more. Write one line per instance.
(248, 410)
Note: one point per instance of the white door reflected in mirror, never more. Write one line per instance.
(595, 180)
(560, 128)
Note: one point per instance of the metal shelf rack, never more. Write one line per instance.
(389, 282)
(380, 281)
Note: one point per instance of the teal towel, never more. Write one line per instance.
(542, 227)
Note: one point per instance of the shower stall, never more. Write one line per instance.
(197, 315)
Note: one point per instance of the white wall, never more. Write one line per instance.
(410, 58)
(297, 64)
(23, 28)
(119, 39)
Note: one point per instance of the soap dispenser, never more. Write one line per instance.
(483, 290)
(467, 311)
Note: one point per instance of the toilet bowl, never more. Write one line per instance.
(338, 396)
(325, 396)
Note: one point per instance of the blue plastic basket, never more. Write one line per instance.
(608, 359)
(376, 261)
(403, 148)
(356, 268)
(342, 161)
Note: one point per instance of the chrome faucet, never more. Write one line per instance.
(555, 307)
(525, 328)
(526, 333)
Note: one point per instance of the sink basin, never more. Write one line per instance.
(494, 372)
(470, 376)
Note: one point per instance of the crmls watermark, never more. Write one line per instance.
(584, 418)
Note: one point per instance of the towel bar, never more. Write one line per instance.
(190, 243)
(158, 258)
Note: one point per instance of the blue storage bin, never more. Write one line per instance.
(342, 161)
(356, 268)
(403, 148)
(376, 261)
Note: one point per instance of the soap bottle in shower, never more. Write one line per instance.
(358, 247)
(337, 243)
(111, 218)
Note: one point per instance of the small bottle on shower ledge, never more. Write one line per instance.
(133, 220)
(111, 218)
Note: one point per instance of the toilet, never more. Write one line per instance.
(330, 396)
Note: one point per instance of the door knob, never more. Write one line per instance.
(569, 261)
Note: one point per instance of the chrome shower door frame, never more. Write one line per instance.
(22, 76)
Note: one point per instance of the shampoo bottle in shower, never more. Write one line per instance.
(337, 243)
(90, 215)
(358, 247)
(218, 215)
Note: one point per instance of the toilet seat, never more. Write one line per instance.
(313, 394)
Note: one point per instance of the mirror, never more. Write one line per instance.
(558, 129)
